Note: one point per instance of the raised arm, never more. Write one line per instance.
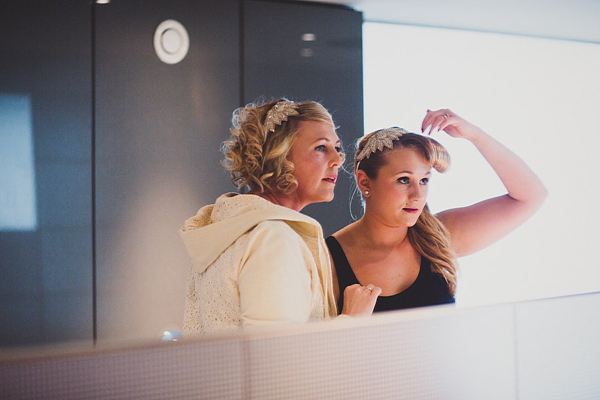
(474, 227)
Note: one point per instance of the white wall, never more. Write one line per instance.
(537, 96)
(525, 351)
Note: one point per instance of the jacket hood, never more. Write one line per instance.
(215, 227)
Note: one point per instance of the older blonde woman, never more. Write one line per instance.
(256, 260)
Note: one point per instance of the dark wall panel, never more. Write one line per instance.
(154, 131)
(45, 250)
(280, 61)
(158, 133)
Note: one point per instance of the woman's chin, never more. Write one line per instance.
(412, 223)
(329, 198)
(320, 197)
(324, 200)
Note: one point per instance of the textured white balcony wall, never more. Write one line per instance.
(539, 349)
(558, 349)
(433, 354)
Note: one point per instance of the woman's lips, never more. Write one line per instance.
(330, 179)
(411, 210)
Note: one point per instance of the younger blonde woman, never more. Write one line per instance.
(398, 245)
(256, 260)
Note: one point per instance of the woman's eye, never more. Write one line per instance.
(404, 179)
(424, 181)
(338, 149)
(321, 148)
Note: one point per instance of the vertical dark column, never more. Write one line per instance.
(45, 160)
(307, 51)
(93, 185)
(158, 132)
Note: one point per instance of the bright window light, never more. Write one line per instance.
(17, 173)
(537, 96)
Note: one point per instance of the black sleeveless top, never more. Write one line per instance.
(430, 288)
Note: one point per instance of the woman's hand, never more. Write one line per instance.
(447, 121)
(360, 300)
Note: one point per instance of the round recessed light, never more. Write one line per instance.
(308, 37)
(171, 42)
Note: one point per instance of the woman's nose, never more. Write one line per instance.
(416, 192)
(337, 159)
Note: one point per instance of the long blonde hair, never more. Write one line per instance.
(428, 236)
(257, 157)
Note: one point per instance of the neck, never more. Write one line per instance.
(377, 233)
(281, 199)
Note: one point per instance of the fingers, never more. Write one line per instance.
(447, 119)
(437, 120)
(360, 300)
(372, 289)
(368, 290)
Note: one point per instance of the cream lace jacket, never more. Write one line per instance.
(254, 263)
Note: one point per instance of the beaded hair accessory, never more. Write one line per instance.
(379, 140)
(279, 113)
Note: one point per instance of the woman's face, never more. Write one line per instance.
(316, 157)
(399, 193)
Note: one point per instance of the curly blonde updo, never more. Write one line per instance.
(257, 157)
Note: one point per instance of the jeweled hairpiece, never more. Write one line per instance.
(279, 113)
(379, 140)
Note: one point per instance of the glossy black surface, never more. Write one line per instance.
(126, 147)
(46, 284)
(158, 133)
(328, 69)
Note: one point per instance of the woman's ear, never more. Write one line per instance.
(362, 180)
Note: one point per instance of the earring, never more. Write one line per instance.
(366, 192)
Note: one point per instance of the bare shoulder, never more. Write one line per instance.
(347, 236)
